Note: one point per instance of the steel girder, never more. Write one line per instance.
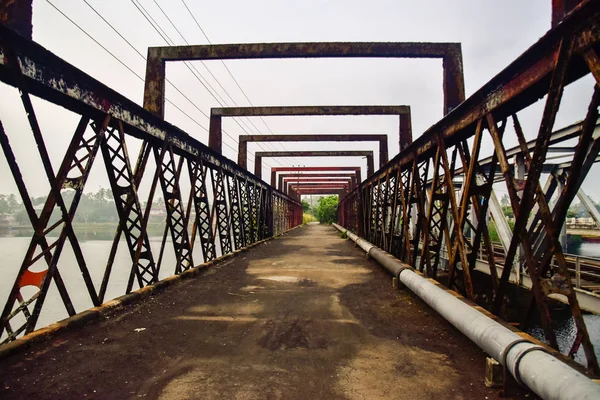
(259, 155)
(333, 176)
(217, 114)
(297, 170)
(244, 139)
(450, 53)
(231, 208)
(437, 191)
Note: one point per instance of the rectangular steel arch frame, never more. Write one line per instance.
(298, 186)
(244, 139)
(341, 193)
(275, 170)
(450, 53)
(258, 156)
(215, 135)
(320, 192)
(291, 182)
(283, 177)
(340, 185)
(294, 179)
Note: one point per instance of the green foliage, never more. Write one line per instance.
(306, 218)
(327, 209)
(8, 204)
(573, 242)
(494, 237)
(344, 235)
(508, 211)
(305, 206)
(93, 208)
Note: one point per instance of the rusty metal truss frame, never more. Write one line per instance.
(298, 170)
(361, 137)
(215, 131)
(319, 191)
(259, 155)
(331, 176)
(450, 53)
(299, 190)
(348, 181)
(433, 197)
(231, 208)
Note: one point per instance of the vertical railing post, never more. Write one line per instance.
(577, 272)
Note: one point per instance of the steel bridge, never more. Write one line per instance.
(426, 215)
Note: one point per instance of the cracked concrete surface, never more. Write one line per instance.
(301, 316)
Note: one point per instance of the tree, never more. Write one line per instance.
(5, 209)
(327, 209)
(506, 207)
(305, 206)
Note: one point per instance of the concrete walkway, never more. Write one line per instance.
(304, 316)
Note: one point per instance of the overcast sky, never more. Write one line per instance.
(493, 33)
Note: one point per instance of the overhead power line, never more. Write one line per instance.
(170, 42)
(118, 59)
(128, 67)
(229, 72)
(222, 102)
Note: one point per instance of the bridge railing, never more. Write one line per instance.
(579, 267)
(438, 190)
(213, 207)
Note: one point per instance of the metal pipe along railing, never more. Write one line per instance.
(530, 364)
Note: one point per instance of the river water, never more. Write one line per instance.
(96, 246)
(563, 322)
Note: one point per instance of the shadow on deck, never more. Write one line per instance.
(301, 316)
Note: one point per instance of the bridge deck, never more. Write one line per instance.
(302, 316)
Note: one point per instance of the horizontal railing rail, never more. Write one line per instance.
(436, 194)
(212, 207)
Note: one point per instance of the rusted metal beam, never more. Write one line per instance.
(450, 53)
(336, 180)
(294, 111)
(258, 156)
(560, 8)
(316, 177)
(329, 175)
(319, 185)
(244, 208)
(279, 182)
(453, 217)
(295, 188)
(519, 85)
(216, 114)
(287, 182)
(302, 192)
(314, 169)
(53, 79)
(17, 15)
(244, 139)
(274, 171)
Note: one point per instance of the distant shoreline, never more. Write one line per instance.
(89, 231)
